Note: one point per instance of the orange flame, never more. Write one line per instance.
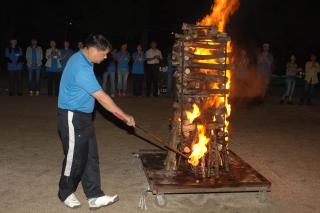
(221, 11)
(228, 86)
(194, 114)
(219, 17)
(199, 149)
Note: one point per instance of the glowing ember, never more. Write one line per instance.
(203, 51)
(200, 148)
(221, 11)
(194, 114)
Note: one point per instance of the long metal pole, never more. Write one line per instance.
(160, 142)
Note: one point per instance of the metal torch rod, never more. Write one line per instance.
(160, 142)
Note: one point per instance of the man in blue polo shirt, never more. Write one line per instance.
(78, 90)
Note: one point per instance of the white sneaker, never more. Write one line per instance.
(37, 93)
(31, 93)
(72, 202)
(105, 200)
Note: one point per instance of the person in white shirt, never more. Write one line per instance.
(153, 57)
(311, 79)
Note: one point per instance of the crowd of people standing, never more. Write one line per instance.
(145, 67)
(252, 79)
(151, 73)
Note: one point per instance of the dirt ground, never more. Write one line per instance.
(281, 142)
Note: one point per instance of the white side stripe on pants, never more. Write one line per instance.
(71, 145)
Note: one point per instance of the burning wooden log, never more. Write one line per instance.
(191, 45)
(220, 67)
(202, 77)
(188, 128)
(202, 92)
(217, 55)
(201, 58)
(186, 26)
(187, 70)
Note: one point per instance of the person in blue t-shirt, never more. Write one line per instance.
(110, 73)
(78, 90)
(123, 58)
(53, 68)
(138, 58)
(66, 53)
(34, 58)
(13, 55)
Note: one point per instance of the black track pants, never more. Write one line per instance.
(81, 162)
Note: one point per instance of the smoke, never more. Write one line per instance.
(247, 81)
(251, 85)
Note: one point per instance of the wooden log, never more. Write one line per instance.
(209, 161)
(202, 77)
(207, 43)
(222, 35)
(201, 92)
(220, 67)
(205, 66)
(218, 55)
(211, 38)
(188, 128)
(204, 44)
(171, 160)
(182, 36)
(203, 167)
(216, 160)
(225, 158)
(188, 62)
(176, 105)
(196, 71)
(186, 26)
(204, 39)
(187, 97)
(186, 134)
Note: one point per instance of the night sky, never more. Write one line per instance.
(289, 26)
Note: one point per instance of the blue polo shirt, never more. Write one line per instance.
(138, 65)
(78, 82)
(123, 59)
(14, 56)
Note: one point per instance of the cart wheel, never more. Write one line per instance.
(161, 200)
(262, 196)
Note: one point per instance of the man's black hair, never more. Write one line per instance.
(98, 41)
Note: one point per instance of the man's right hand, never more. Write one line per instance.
(130, 120)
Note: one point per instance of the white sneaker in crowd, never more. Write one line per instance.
(95, 203)
(37, 93)
(31, 93)
(72, 202)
